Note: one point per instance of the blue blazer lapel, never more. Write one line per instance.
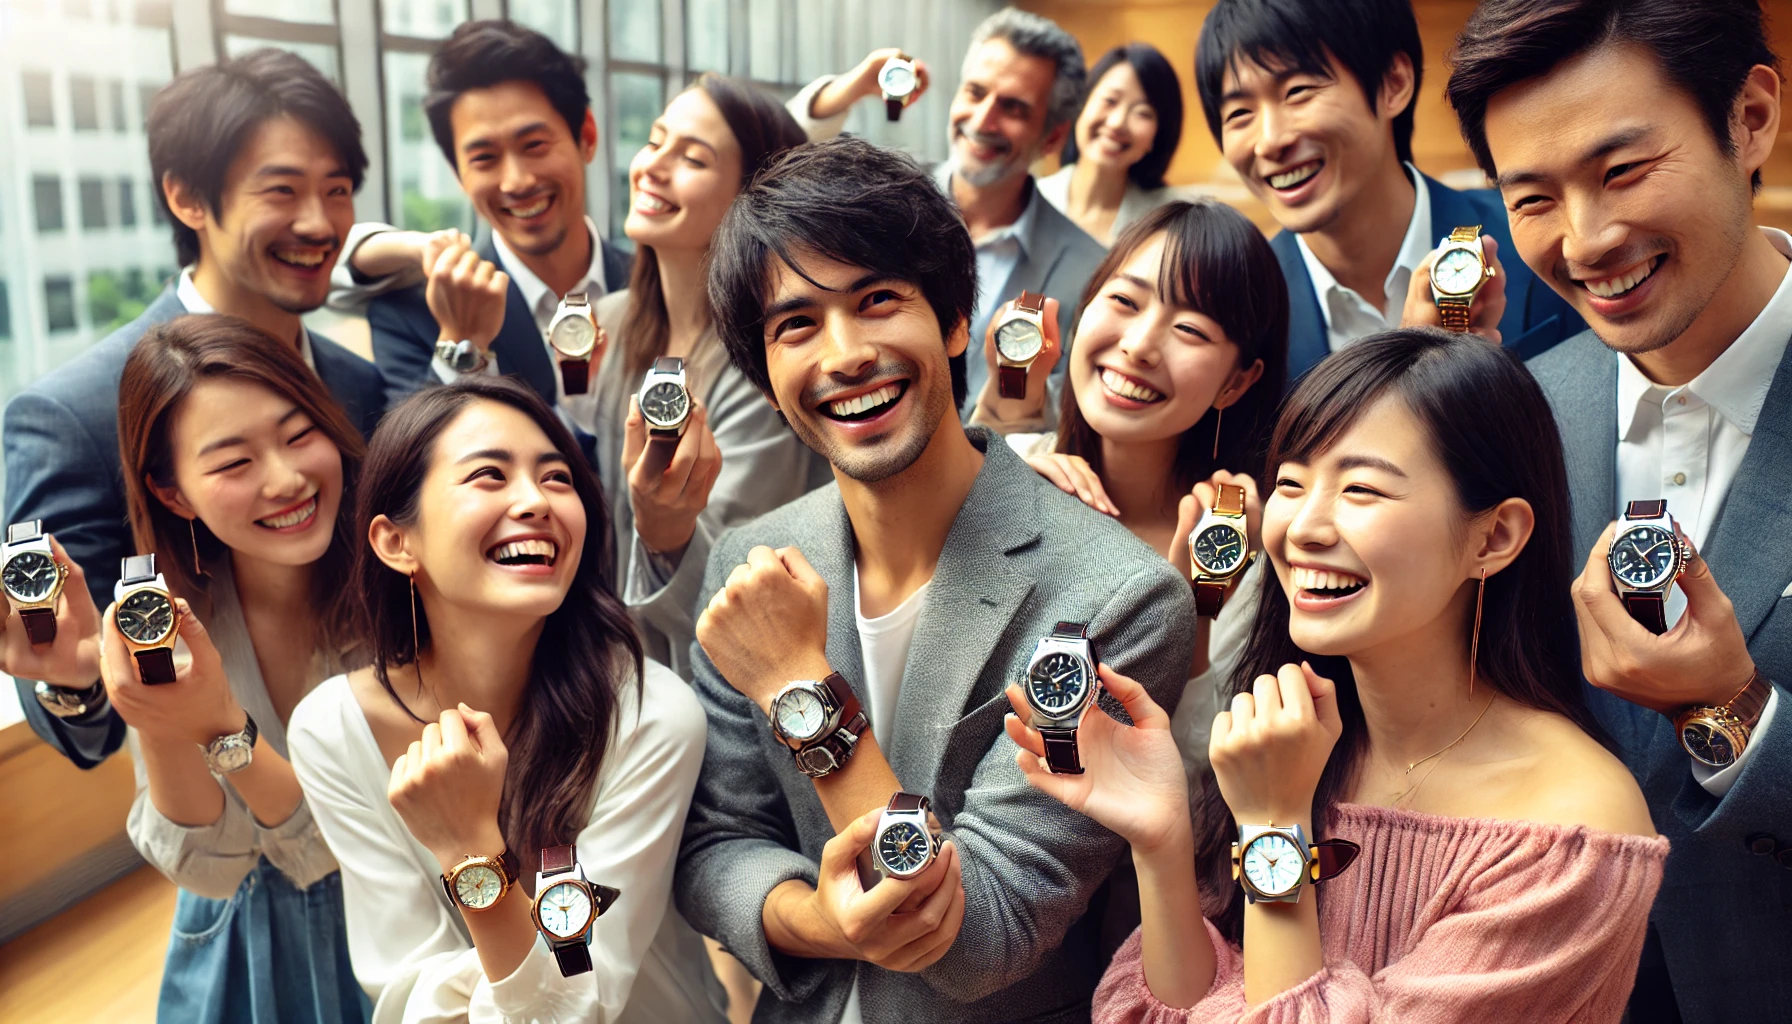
(518, 347)
(1307, 343)
(1753, 571)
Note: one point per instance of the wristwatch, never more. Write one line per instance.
(1645, 559)
(462, 356)
(1020, 335)
(666, 408)
(820, 721)
(898, 80)
(478, 883)
(233, 751)
(1717, 736)
(575, 337)
(147, 617)
(905, 842)
(566, 906)
(1219, 549)
(1272, 862)
(32, 578)
(1458, 273)
(1060, 684)
(66, 703)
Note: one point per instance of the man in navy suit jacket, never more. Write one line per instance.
(258, 226)
(1311, 102)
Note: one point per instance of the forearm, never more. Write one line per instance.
(1281, 947)
(865, 784)
(1008, 415)
(384, 253)
(503, 934)
(1179, 961)
(793, 926)
(180, 786)
(268, 786)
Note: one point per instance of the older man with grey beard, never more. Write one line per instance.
(1019, 92)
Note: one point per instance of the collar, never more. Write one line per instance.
(535, 290)
(1736, 382)
(1024, 226)
(188, 294)
(1413, 248)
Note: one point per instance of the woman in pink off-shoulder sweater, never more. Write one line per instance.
(1411, 686)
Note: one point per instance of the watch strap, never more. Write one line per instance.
(575, 375)
(906, 802)
(137, 569)
(1011, 380)
(1070, 631)
(156, 665)
(660, 449)
(1332, 856)
(605, 895)
(1031, 302)
(1455, 313)
(576, 300)
(1751, 700)
(1648, 609)
(1470, 233)
(40, 624)
(1061, 754)
(557, 860)
(668, 364)
(574, 957)
(850, 708)
(1654, 508)
(1229, 501)
(892, 108)
(1210, 596)
(29, 530)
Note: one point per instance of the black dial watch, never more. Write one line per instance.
(32, 579)
(665, 402)
(146, 617)
(905, 842)
(1060, 685)
(1645, 558)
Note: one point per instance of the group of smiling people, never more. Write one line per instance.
(776, 601)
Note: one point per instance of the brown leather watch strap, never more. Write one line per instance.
(575, 375)
(1648, 609)
(40, 624)
(1060, 751)
(1229, 501)
(1210, 597)
(907, 802)
(1031, 302)
(156, 665)
(574, 958)
(893, 109)
(1654, 508)
(660, 449)
(1011, 381)
(850, 708)
(1332, 856)
(557, 859)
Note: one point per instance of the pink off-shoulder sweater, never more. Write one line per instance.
(1445, 920)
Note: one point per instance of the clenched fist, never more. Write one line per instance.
(447, 786)
(768, 624)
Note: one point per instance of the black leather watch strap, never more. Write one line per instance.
(575, 375)
(1654, 508)
(1648, 609)
(574, 958)
(907, 802)
(156, 665)
(40, 624)
(660, 449)
(1060, 751)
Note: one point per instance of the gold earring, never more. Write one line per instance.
(416, 648)
(1219, 416)
(193, 535)
(1474, 644)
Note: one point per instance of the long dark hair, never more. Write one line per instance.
(1492, 428)
(163, 369)
(1163, 90)
(587, 647)
(1216, 263)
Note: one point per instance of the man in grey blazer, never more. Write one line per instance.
(924, 576)
(1626, 139)
(1020, 89)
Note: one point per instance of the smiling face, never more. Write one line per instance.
(1620, 196)
(857, 365)
(996, 125)
(1144, 369)
(254, 468)
(1118, 124)
(681, 182)
(1308, 145)
(520, 164)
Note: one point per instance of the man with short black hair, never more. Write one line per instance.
(1311, 102)
(257, 160)
(843, 281)
(1627, 137)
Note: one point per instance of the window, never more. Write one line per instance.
(46, 196)
(764, 18)
(321, 56)
(114, 300)
(635, 31)
(422, 19)
(93, 204)
(127, 204)
(639, 98)
(40, 104)
(146, 97)
(706, 35)
(59, 303)
(84, 103)
(428, 195)
(310, 12)
(115, 92)
(5, 315)
(556, 19)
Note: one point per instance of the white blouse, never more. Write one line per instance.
(1135, 203)
(410, 948)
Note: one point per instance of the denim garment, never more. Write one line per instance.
(273, 952)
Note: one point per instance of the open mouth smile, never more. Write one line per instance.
(866, 406)
(302, 259)
(652, 205)
(530, 209)
(1623, 284)
(298, 515)
(533, 551)
(1294, 177)
(1319, 589)
(1129, 388)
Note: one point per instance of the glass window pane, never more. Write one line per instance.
(639, 99)
(429, 19)
(59, 302)
(114, 300)
(555, 19)
(762, 39)
(635, 31)
(115, 92)
(706, 35)
(40, 104)
(84, 103)
(5, 314)
(321, 56)
(46, 196)
(427, 192)
(93, 203)
(311, 12)
(127, 203)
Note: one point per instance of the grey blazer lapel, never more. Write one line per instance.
(1752, 569)
(1583, 375)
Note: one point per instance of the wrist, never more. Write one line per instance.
(1161, 852)
(1724, 689)
(487, 842)
(812, 665)
(668, 535)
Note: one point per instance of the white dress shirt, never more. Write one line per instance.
(1686, 444)
(998, 253)
(1348, 316)
(188, 294)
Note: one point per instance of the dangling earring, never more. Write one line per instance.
(416, 648)
(1219, 416)
(1474, 644)
(193, 535)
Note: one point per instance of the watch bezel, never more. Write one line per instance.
(173, 615)
(916, 821)
(1474, 251)
(1076, 707)
(1717, 721)
(653, 383)
(1291, 838)
(1244, 544)
(591, 901)
(1020, 318)
(816, 691)
(1663, 577)
(560, 322)
(59, 572)
(893, 64)
(465, 867)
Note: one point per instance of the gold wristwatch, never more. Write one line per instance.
(1716, 736)
(1020, 337)
(1458, 274)
(1219, 549)
(478, 883)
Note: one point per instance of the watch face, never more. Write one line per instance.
(800, 714)
(665, 404)
(565, 909)
(1019, 340)
(146, 617)
(1457, 272)
(1218, 549)
(1273, 864)
(904, 848)
(1708, 743)
(478, 886)
(1643, 557)
(29, 576)
(896, 79)
(232, 756)
(574, 336)
(1057, 682)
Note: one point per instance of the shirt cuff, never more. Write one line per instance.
(1717, 781)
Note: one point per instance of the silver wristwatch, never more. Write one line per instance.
(665, 401)
(1059, 687)
(905, 842)
(461, 356)
(233, 751)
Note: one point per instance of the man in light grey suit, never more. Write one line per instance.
(924, 576)
(1626, 139)
(1019, 93)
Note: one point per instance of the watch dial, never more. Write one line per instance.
(1019, 340)
(1456, 272)
(565, 909)
(233, 756)
(478, 887)
(801, 715)
(1642, 557)
(665, 404)
(1218, 549)
(146, 617)
(897, 79)
(29, 576)
(1057, 682)
(1273, 864)
(574, 336)
(903, 848)
(1709, 745)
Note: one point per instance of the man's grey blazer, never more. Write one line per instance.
(1021, 556)
(1724, 912)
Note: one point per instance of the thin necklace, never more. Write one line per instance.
(1414, 788)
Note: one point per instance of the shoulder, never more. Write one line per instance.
(1574, 781)
(1055, 187)
(321, 718)
(1056, 232)
(90, 380)
(340, 359)
(1574, 357)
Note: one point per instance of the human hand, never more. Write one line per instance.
(1032, 406)
(1073, 475)
(1704, 659)
(71, 660)
(466, 294)
(1485, 311)
(899, 925)
(667, 503)
(861, 82)
(197, 707)
(1195, 505)
(447, 786)
(1270, 748)
(768, 624)
(1132, 781)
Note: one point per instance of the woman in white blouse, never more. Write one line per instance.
(508, 710)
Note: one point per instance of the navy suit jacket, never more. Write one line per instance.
(405, 331)
(1724, 912)
(1536, 317)
(62, 466)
